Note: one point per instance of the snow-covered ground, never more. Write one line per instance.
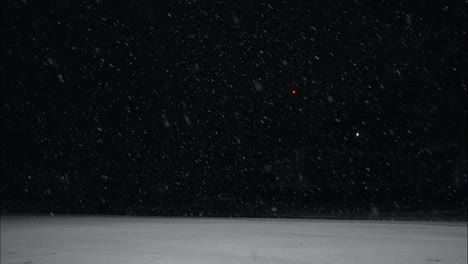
(89, 239)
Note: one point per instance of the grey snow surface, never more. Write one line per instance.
(91, 239)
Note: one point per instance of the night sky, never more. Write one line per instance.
(234, 107)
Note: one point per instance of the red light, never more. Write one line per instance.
(293, 91)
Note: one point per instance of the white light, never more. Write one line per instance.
(357, 134)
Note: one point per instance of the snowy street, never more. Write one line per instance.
(244, 132)
(109, 239)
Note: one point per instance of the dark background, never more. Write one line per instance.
(187, 108)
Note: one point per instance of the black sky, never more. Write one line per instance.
(187, 107)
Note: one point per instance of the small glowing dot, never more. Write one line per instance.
(357, 134)
(293, 91)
